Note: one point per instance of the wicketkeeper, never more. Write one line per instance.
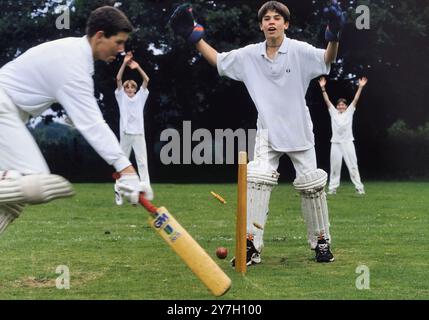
(277, 73)
(57, 71)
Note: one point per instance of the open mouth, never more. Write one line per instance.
(272, 29)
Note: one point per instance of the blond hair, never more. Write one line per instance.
(130, 82)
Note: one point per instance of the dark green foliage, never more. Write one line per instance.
(392, 54)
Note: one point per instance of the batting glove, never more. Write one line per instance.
(336, 21)
(183, 23)
(130, 187)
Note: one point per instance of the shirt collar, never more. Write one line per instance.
(283, 48)
(88, 54)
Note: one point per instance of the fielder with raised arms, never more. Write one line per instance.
(342, 145)
(131, 105)
(58, 71)
(277, 73)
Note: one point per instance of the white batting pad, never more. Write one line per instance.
(314, 205)
(8, 213)
(33, 189)
(259, 187)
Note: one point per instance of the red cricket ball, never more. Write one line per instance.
(221, 252)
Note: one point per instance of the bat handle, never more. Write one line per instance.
(144, 202)
(147, 204)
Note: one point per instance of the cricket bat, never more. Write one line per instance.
(182, 243)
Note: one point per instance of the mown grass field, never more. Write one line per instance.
(112, 253)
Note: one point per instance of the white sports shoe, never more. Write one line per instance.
(360, 191)
(118, 197)
(332, 191)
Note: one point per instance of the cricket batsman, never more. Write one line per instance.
(58, 71)
(277, 73)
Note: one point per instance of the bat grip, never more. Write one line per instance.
(147, 205)
(144, 202)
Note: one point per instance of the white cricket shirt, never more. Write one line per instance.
(61, 71)
(342, 124)
(131, 110)
(278, 88)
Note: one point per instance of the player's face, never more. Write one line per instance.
(107, 49)
(273, 25)
(341, 107)
(130, 90)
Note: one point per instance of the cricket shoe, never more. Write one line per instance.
(252, 255)
(360, 191)
(118, 197)
(332, 191)
(323, 252)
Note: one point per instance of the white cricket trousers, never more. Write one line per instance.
(267, 159)
(18, 150)
(137, 142)
(346, 151)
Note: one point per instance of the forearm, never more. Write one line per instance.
(144, 76)
(326, 97)
(357, 96)
(120, 74)
(331, 52)
(208, 52)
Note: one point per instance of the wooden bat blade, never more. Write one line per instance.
(182, 243)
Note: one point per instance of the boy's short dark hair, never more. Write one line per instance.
(341, 100)
(108, 19)
(274, 6)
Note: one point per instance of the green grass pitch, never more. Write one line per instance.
(112, 253)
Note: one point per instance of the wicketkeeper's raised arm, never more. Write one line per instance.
(207, 51)
(336, 21)
(183, 23)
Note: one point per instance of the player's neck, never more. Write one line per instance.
(273, 45)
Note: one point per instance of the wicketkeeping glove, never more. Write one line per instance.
(183, 23)
(336, 21)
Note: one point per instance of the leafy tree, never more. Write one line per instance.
(392, 54)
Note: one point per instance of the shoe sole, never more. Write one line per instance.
(330, 260)
(249, 263)
(117, 201)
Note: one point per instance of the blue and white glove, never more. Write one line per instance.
(183, 23)
(336, 21)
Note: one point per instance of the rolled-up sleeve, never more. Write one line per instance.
(230, 64)
(77, 98)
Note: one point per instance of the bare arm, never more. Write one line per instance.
(322, 83)
(362, 83)
(134, 65)
(331, 52)
(207, 51)
(127, 59)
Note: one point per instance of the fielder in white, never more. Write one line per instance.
(277, 73)
(342, 145)
(57, 71)
(131, 125)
